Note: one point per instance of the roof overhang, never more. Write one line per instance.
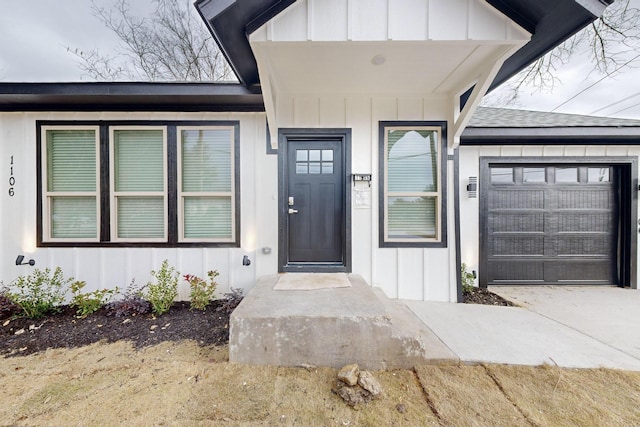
(116, 96)
(551, 135)
(549, 21)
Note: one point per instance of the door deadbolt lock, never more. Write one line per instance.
(291, 203)
(293, 211)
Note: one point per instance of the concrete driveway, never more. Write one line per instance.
(568, 326)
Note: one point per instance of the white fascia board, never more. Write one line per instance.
(268, 93)
(461, 118)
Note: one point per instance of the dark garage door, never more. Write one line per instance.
(550, 225)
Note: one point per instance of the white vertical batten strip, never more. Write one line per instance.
(350, 20)
(389, 37)
(309, 20)
(470, 10)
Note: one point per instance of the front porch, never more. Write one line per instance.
(330, 327)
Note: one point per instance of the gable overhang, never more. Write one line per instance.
(550, 22)
(466, 66)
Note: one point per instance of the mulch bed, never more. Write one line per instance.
(483, 296)
(21, 336)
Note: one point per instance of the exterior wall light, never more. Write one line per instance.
(472, 187)
(20, 259)
(246, 261)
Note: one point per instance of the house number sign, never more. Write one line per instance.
(12, 179)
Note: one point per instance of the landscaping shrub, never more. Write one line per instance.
(89, 302)
(164, 291)
(468, 279)
(202, 292)
(40, 292)
(231, 300)
(130, 304)
(7, 307)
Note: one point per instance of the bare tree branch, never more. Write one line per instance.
(608, 43)
(172, 44)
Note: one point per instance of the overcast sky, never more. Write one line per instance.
(35, 36)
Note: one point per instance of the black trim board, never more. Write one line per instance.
(284, 135)
(444, 157)
(628, 190)
(130, 96)
(456, 209)
(104, 192)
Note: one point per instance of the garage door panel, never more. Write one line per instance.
(572, 245)
(576, 222)
(517, 222)
(513, 272)
(516, 199)
(587, 198)
(588, 272)
(527, 245)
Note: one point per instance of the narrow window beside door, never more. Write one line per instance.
(412, 205)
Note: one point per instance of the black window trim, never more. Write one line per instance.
(442, 242)
(104, 192)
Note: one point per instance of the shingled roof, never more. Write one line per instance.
(503, 126)
(488, 117)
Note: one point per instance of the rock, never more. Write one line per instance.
(19, 332)
(368, 382)
(401, 408)
(353, 395)
(349, 374)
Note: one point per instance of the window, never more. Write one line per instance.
(139, 184)
(411, 202)
(206, 183)
(156, 183)
(71, 196)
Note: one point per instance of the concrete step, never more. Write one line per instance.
(329, 327)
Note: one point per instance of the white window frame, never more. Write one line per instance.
(48, 195)
(437, 194)
(115, 194)
(183, 194)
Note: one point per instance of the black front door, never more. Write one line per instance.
(314, 201)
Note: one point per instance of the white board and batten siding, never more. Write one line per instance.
(108, 267)
(470, 166)
(381, 20)
(406, 273)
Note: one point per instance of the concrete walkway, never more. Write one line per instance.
(581, 327)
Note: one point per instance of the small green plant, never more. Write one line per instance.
(164, 291)
(468, 279)
(202, 292)
(40, 292)
(132, 303)
(89, 302)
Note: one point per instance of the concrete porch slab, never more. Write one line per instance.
(330, 327)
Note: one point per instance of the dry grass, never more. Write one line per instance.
(183, 384)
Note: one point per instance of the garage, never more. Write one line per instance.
(553, 223)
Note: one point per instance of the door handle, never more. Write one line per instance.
(293, 211)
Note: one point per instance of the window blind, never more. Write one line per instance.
(71, 174)
(411, 183)
(207, 183)
(139, 177)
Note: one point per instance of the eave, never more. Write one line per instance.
(129, 96)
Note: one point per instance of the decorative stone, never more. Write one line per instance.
(353, 395)
(368, 382)
(349, 374)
